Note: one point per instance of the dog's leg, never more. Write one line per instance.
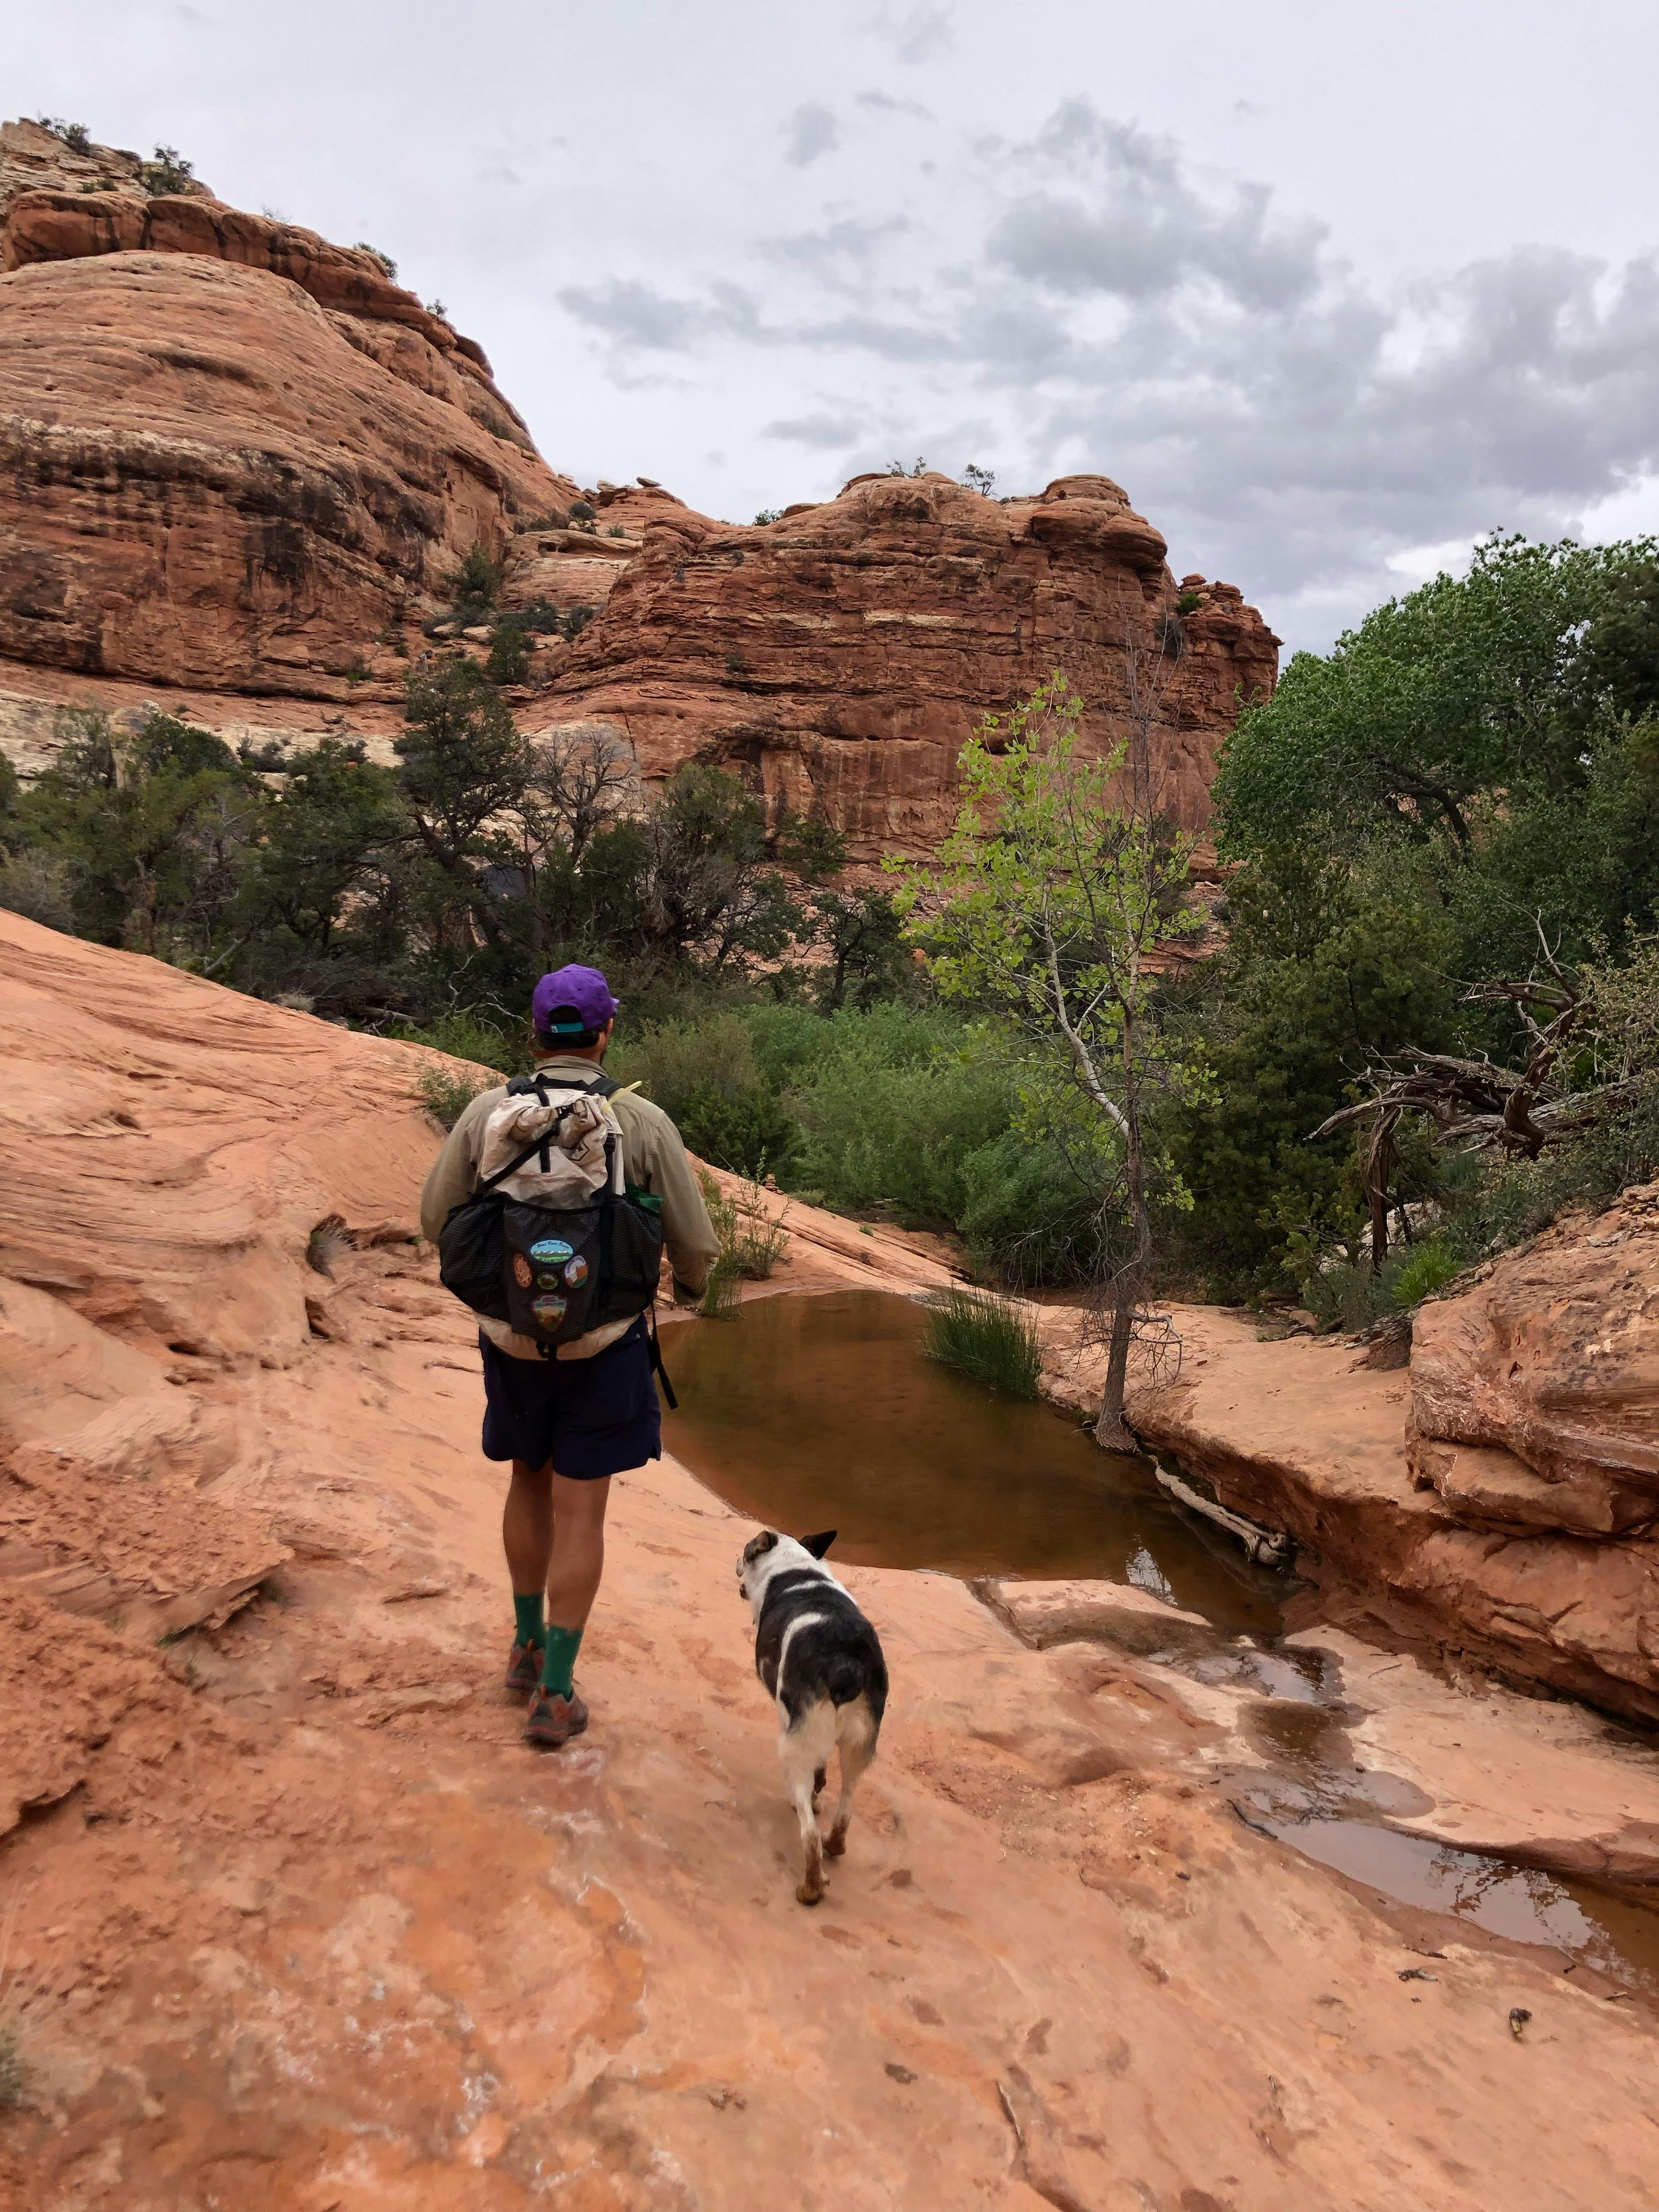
(818, 1781)
(856, 1739)
(804, 1750)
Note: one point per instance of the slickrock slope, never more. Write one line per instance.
(314, 1931)
(1500, 1497)
(236, 457)
(842, 655)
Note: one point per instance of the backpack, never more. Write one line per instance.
(567, 1246)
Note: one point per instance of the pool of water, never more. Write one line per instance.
(823, 1412)
(1618, 1935)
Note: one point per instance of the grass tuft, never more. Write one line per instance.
(751, 1240)
(722, 1293)
(991, 1340)
(1429, 1268)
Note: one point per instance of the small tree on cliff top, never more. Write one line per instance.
(1050, 895)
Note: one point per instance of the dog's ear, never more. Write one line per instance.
(764, 1542)
(818, 1545)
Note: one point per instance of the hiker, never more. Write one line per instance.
(568, 1411)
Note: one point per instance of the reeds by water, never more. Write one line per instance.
(992, 1339)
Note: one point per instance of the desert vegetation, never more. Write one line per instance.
(1430, 1026)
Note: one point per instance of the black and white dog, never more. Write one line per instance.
(821, 1661)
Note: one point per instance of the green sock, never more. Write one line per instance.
(527, 1619)
(559, 1660)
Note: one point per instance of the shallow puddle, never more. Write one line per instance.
(819, 1412)
(1592, 1926)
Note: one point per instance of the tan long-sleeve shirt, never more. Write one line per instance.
(653, 1159)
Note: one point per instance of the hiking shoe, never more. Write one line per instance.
(552, 1721)
(524, 1669)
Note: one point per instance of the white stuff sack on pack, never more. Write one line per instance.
(572, 1165)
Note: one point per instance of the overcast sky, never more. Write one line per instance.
(1331, 289)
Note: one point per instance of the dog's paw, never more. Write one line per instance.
(809, 1892)
(835, 1842)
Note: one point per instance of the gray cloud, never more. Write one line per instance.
(919, 34)
(1121, 218)
(1283, 420)
(825, 432)
(884, 103)
(633, 313)
(811, 132)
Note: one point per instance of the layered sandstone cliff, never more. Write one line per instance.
(241, 464)
(841, 656)
(237, 458)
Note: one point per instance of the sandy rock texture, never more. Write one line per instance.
(841, 656)
(1497, 1497)
(303, 1925)
(236, 456)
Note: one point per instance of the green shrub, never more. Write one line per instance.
(1427, 1268)
(1028, 1215)
(168, 172)
(479, 577)
(752, 1241)
(388, 267)
(991, 1340)
(508, 662)
(893, 1115)
(722, 1293)
(447, 1094)
(1344, 1294)
(706, 1077)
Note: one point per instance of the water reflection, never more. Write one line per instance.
(811, 1413)
(1595, 1926)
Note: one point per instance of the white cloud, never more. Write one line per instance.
(1098, 303)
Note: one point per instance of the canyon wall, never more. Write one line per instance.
(841, 656)
(239, 461)
(242, 464)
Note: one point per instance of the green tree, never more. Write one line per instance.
(1464, 690)
(462, 767)
(329, 844)
(155, 829)
(1051, 894)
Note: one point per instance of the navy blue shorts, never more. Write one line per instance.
(589, 1417)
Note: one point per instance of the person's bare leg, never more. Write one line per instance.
(527, 1528)
(578, 1551)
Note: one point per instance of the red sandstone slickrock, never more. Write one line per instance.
(1499, 1498)
(303, 1908)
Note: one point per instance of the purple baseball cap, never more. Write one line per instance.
(580, 995)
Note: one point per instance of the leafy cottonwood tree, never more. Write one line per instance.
(1052, 891)
(1490, 683)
